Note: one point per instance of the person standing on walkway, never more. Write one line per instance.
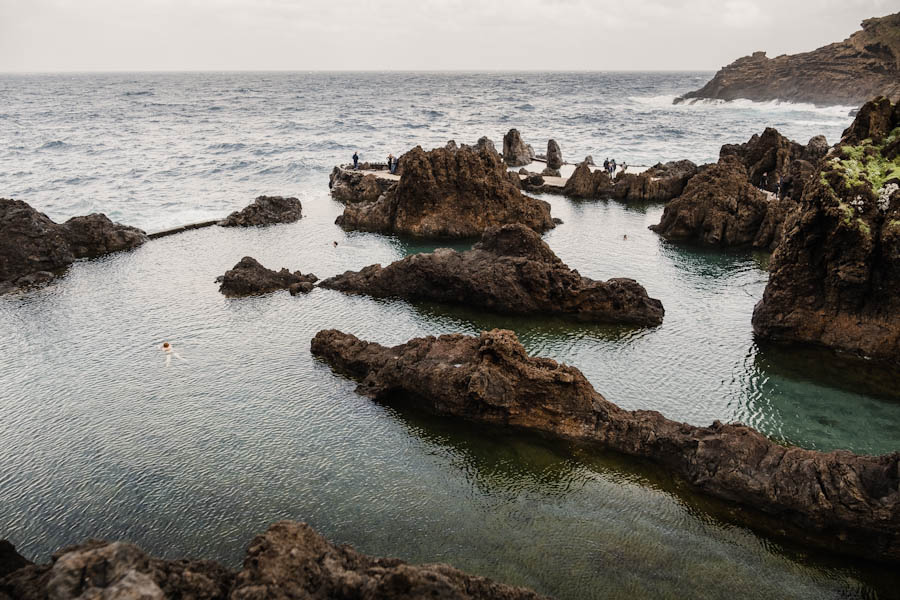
(612, 169)
(394, 165)
(355, 160)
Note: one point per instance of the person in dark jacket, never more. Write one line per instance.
(355, 160)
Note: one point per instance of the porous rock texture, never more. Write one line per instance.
(448, 193)
(839, 500)
(348, 185)
(510, 270)
(554, 155)
(720, 207)
(249, 278)
(290, 560)
(835, 275)
(34, 249)
(516, 152)
(265, 210)
(865, 65)
(659, 183)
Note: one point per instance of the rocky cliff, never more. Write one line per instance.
(838, 500)
(835, 275)
(510, 270)
(865, 65)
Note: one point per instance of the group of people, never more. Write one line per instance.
(610, 167)
(391, 162)
(779, 185)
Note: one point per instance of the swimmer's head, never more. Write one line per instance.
(165, 344)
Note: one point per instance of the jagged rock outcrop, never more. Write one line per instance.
(589, 159)
(659, 183)
(265, 210)
(10, 560)
(515, 151)
(548, 172)
(446, 193)
(348, 185)
(290, 560)
(34, 249)
(249, 278)
(554, 155)
(834, 277)
(719, 207)
(865, 65)
(485, 143)
(510, 270)
(837, 500)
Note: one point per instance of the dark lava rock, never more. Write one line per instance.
(851, 72)
(589, 160)
(10, 560)
(289, 561)
(835, 275)
(770, 157)
(348, 185)
(584, 183)
(33, 248)
(548, 172)
(554, 155)
(845, 502)
(248, 278)
(659, 183)
(719, 207)
(511, 270)
(515, 151)
(265, 210)
(485, 143)
(447, 193)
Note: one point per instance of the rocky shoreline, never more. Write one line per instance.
(289, 560)
(843, 502)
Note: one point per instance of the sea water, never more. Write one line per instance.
(100, 439)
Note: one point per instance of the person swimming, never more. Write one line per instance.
(170, 352)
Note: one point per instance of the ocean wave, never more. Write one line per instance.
(227, 147)
(525, 107)
(53, 145)
(138, 93)
(770, 106)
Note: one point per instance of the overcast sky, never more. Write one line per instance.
(89, 35)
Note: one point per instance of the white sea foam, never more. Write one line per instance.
(771, 106)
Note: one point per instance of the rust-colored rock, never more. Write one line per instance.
(838, 500)
(265, 210)
(249, 278)
(288, 561)
(865, 65)
(835, 275)
(512, 271)
(447, 193)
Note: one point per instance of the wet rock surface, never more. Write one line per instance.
(515, 151)
(290, 560)
(720, 207)
(447, 193)
(249, 278)
(834, 277)
(265, 210)
(838, 500)
(865, 65)
(510, 270)
(34, 249)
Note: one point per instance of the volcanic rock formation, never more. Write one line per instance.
(659, 183)
(33, 248)
(516, 152)
(865, 65)
(835, 275)
(265, 210)
(720, 207)
(446, 193)
(249, 278)
(511, 270)
(290, 560)
(842, 501)
(349, 186)
(554, 155)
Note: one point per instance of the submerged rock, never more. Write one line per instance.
(861, 67)
(510, 270)
(249, 278)
(834, 277)
(838, 500)
(290, 560)
(265, 210)
(719, 207)
(515, 151)
(33, 248)
(554, 155)
(446, 193)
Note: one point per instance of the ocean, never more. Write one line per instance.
(100, 439)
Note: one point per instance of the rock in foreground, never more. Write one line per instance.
(865, 65)
(265, 210)
(249, 278)
(835, 275)
(448, 193)
(290, 560)
(512, 271)
(34, 249)
(839, 500)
